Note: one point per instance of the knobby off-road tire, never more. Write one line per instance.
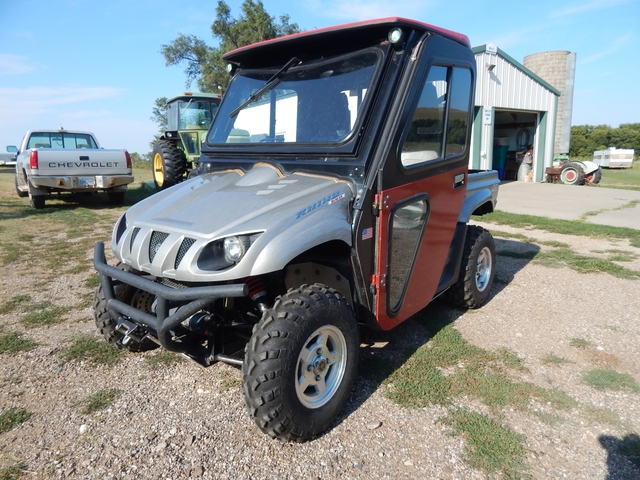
(300, 363)
(477, 270)
(572, 174)
(107, 324)
(168, 165)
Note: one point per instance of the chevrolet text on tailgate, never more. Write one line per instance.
(51, 162)
(332, 195)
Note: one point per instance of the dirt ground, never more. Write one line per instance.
(182, 421)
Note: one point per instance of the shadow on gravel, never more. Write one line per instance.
(382, 353)
(623, 456)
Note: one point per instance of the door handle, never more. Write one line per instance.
(458, 180)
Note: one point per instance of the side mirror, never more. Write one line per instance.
(12, 149)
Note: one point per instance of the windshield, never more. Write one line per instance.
(60, 140)
(311, 104)
(191, 114)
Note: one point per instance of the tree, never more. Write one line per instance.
(159, 113)
(586, 139)
(204, 63)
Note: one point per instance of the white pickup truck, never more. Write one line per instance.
(56, 161)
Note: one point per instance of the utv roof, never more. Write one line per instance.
(329, 40)
(193, 95)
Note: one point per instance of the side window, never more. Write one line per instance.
(457, 127)
(445, 88)
(426, 132)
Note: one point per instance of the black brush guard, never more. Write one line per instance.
(191, 299)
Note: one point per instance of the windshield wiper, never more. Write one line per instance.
(272, 82)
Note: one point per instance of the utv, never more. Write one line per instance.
(332, 194)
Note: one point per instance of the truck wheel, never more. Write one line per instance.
(169, 165)
(20, 193)
(115, 198)
(476, 270)
(300, 363)
(572, 174)
(107, 324)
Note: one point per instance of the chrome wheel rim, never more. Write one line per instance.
(483, 269)
(321, 366)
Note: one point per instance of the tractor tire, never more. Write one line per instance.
(572, 174)
(107, 324)
(594, 177)
(477, 270)
(300, 363)
(169, 165)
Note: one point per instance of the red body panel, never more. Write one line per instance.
(445, 204)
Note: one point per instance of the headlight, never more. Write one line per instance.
(225, 253)
(233, 249)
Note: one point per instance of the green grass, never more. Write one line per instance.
(13, 342)
(45, 314)
(162, 359)
(14, 472)
(553, 359)
(12, 417)
(565, 227)
(628, 178)
(584, 264)
(99, 401)
(491, 447)
(92, 350)
(608, 379)
(580, 343)
(13, 304)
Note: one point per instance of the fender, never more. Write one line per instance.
(475, 201)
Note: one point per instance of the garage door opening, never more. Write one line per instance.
(514, 132)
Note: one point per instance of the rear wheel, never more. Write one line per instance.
(21, 194)
(107, 324)
(572, 174)
(169, 164)
(595, 177)
(115, 198)
(477, 270)
(300, 363)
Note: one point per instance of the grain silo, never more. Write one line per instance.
(557, 67)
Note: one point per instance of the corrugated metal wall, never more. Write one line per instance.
(510, 86)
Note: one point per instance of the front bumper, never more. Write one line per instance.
(189, 299)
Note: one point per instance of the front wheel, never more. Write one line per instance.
(106, 324)
(572, 174)
(477, 270)
(300, 363)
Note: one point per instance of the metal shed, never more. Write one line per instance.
(514, 108)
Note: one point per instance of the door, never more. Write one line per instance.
(421, 193)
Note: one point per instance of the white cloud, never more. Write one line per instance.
(618, 44)
(588, 7)
(14, 64)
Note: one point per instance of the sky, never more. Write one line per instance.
(96, 65)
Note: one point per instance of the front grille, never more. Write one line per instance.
(136, 230)
(182, 251)
(157, 238)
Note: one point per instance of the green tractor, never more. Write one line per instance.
(189, 116)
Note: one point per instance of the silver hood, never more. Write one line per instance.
(285, 215)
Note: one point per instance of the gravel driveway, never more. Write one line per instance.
(180, 420)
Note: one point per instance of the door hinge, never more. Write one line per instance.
(380, 202)
(375, 281)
